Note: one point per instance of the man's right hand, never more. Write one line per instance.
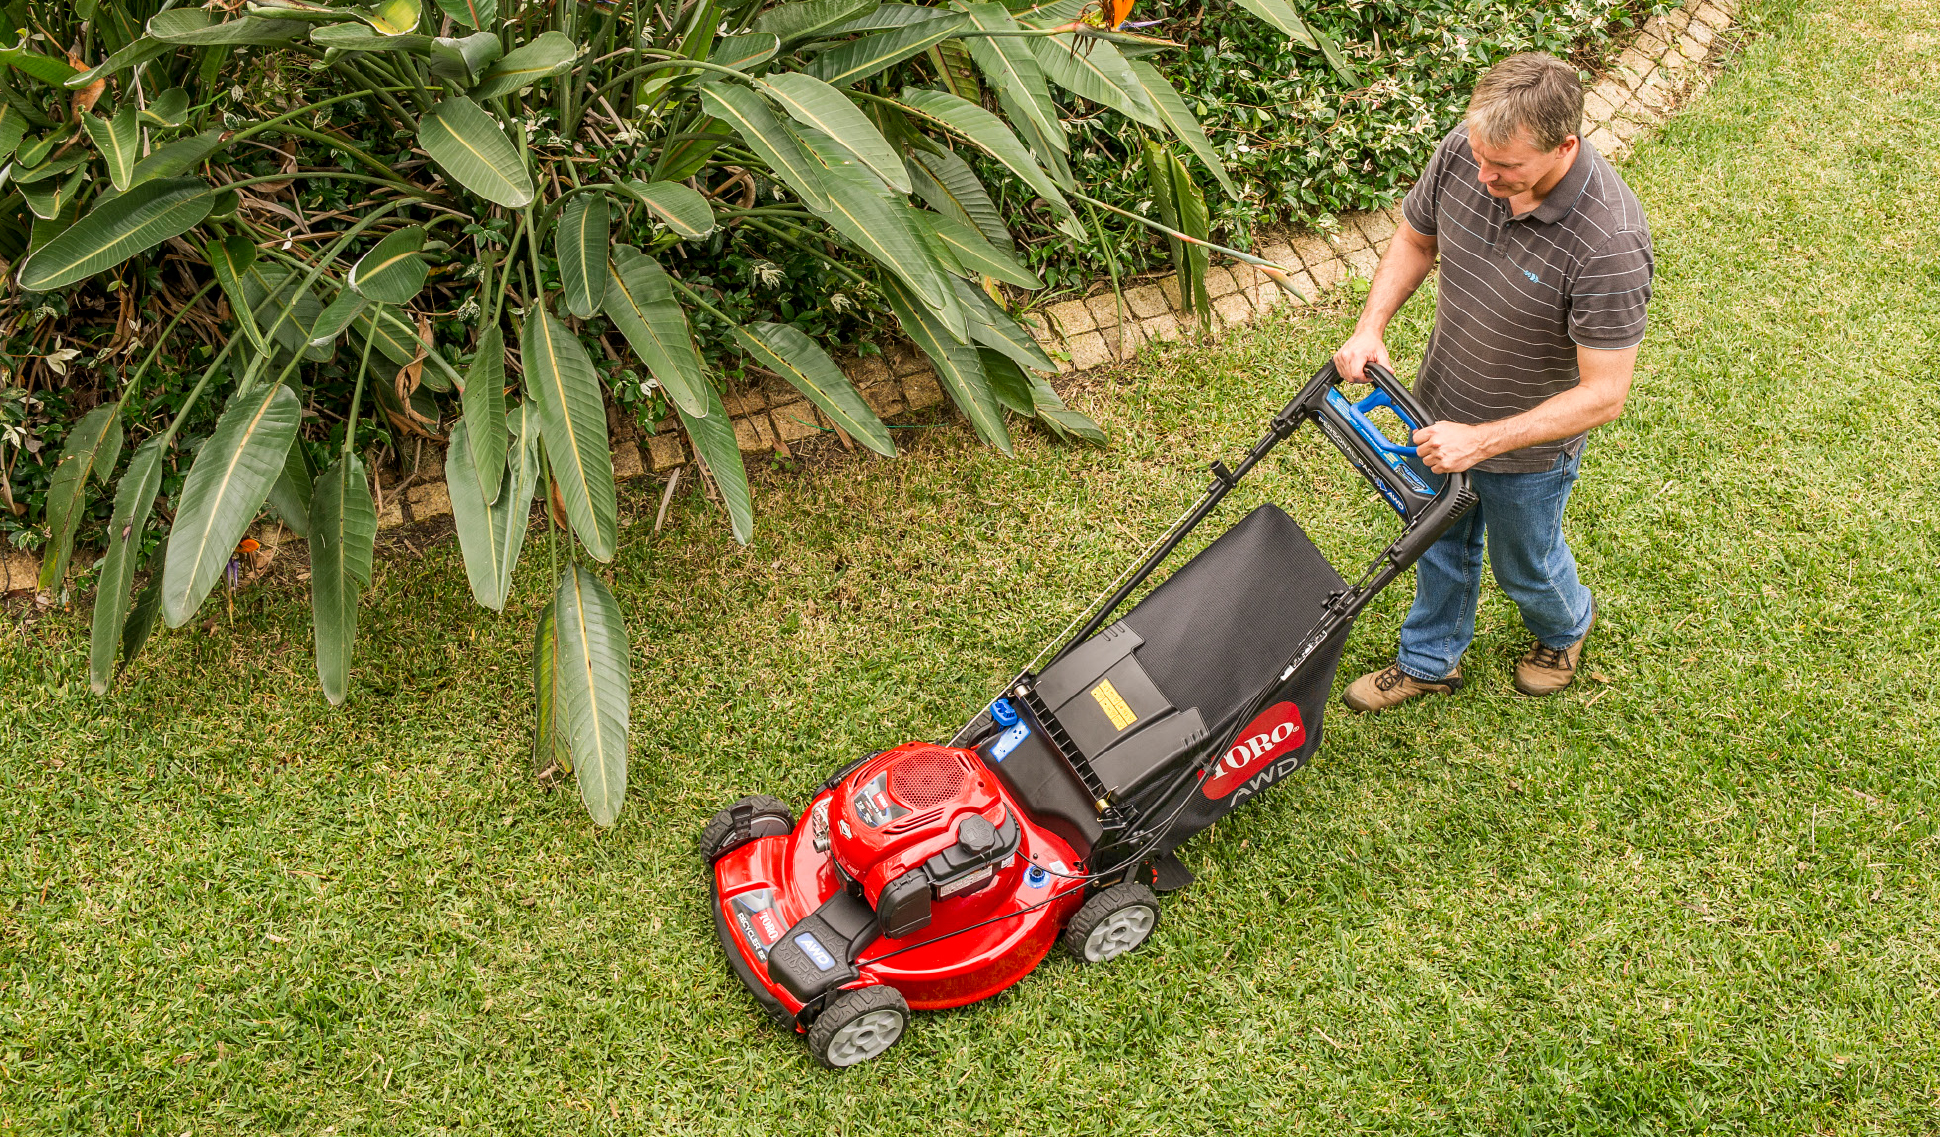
(1361, 349)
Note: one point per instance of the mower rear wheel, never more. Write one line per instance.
(1112, 923)
(756, 815)
(857, 1026)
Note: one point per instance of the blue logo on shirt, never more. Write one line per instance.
(1532, 276)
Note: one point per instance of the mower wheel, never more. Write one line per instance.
(1112, 923)
(757, 815)
(858, 1026)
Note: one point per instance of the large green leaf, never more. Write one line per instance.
(1052, 412)
(713, 439)
(483, 400)
(334, 319)
(93, 446)
(885, 228)
(993, 327)
(786, 351)
(769, 138)
(289, 494)
(139, 50)
(118, 141)
(132, 223)
(947, 183)
(640, 302)
(585, 230)
(867, 55)
(990, 135)
(957, 367)
(169, 109)
(1281, 15)
(573, 411)
(1178, 119)
(358, 37)
(744, 51)
(594, 689)
(198, 27)
(804, 18)
(480, 14)
(225, 487)
(468, 144)
(1009, 67)
(1094, 70)
(975, 255)
(549, 741)
(148, 605)
(134, 499)
(463, 60)
(812, 102)
(13, 127)
(886, 16)
(287, 312)
(490, 533)
(343, 534)
(229, 259)
(679, 207)
(54, 199)
(394, 270)
(46, 68)
(392, 17)
(1008, 382)
(523, 468)
(177, 157)
(1181, 207)
(551, 54)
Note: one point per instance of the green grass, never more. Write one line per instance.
(1696, 897)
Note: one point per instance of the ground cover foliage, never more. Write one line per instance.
(1694, 898)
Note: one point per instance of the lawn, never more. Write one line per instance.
(1695, 893)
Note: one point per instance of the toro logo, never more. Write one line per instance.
(1276, 732)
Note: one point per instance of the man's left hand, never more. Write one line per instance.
(1451, 447)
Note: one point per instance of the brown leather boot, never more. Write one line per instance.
(1380, 690)
(1547, 670)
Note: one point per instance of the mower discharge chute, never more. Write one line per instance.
(935, 875)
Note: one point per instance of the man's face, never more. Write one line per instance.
(1515, 167)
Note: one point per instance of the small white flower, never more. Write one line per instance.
(840, 302)
(58, 360)
(768, 274)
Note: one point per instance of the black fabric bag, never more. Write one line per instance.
(1204, 643)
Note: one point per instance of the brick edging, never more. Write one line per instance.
(1669, 60)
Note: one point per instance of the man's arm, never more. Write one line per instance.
(1447, 447)
(1403, 267)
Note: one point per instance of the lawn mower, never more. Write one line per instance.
(933, 875)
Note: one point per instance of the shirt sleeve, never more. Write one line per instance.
(1610, 293)
(1424, 197)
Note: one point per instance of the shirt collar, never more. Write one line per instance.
(1564, 197)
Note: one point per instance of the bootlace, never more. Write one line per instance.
(1553, 658)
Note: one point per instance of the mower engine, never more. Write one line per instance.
(915, 826)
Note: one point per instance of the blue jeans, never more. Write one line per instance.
(1520, 516)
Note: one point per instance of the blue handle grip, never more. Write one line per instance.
(1357, 413)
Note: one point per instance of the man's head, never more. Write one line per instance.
(1522, 122)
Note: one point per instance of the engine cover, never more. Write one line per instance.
(917, 824)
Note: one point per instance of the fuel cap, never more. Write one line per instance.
(976, 834)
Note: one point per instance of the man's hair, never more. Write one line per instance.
(1534, 92)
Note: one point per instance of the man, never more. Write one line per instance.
(1545, 273)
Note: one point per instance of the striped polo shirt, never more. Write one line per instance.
(1519, 293)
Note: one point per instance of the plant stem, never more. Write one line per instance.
(339, 144)
(195, 393)
(357, 396)
(663, 65)
(135, 379)
(272, 124)
(807, 248)
(1278, 273)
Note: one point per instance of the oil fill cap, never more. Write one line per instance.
(976, 834)
(1003, 714)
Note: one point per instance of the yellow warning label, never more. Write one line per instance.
(1114, 705)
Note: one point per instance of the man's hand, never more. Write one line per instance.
(1361, 349)
(1451, 447)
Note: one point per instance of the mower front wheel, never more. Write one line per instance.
(857, 1026)
(1112, 923)
(757, 815)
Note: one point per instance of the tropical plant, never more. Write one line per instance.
(481, 271)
